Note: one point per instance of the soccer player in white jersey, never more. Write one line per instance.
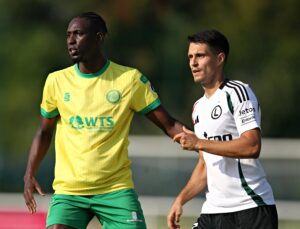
(91, 104)
(228, 138)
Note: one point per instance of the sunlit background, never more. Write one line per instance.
(151, 35)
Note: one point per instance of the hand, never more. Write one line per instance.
(174, 215)
(31, 185)
(187, 139)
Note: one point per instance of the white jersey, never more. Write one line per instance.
(233, 184)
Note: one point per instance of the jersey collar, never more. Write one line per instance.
(224, 83)
(91, 75)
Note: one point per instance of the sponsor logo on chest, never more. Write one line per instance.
(92, 123)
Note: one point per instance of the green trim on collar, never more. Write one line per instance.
(92, 75)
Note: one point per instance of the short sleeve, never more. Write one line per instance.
(49, 102)
(144, 97)
(247, 113)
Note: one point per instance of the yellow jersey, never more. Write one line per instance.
(96, 110)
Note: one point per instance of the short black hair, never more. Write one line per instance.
(96, 21)
(214, 39)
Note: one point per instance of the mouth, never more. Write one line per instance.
(73, 51)
(195, 71)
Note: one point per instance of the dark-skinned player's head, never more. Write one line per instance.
(85, 36)
(97, 23)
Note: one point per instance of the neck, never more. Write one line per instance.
(93, 66)
(210, 89)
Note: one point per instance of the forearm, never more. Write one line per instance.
(175, 127)
(189, 192)
(161, 118)
(243, 147)
(248, 145)
(38, 150)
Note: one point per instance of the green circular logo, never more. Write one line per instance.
(76, 122)
(113, 96)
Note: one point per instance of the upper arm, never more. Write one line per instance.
(47, 125)
(199, 175)
(253, 139)
(49, 107)
(201, 164)
(143, 96)
(247, 113)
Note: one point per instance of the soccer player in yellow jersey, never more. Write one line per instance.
(91, 104)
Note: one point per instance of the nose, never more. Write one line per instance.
(193, 62)
(71, 39)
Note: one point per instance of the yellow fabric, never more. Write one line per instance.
(92, 132)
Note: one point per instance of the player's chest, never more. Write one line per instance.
(212, 117)
(94, 96)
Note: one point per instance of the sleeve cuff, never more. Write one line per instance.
(51, 114)
(150, 107)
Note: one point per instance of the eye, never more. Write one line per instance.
(200, 55)
(80, 33)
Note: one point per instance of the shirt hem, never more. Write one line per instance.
(218, 210)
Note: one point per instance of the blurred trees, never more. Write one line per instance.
(151, 35)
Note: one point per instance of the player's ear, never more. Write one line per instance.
(100, 36)
(221, 58)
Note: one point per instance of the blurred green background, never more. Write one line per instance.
(150, 35)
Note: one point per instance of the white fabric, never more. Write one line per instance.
(230, 111)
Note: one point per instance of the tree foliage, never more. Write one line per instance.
(151, 35)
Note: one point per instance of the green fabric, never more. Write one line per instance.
(229, 102)
(49, 115)
(255, 197)
(92, 75)
(115, 210)
(150, 107)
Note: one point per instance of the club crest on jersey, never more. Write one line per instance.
(113, 96)
(216, 112)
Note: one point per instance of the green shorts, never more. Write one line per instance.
(114, 210)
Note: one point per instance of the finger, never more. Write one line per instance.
(30, 201)
(177, 137)
(177, 217)
(186, 130)
(39, 190)
(170, 221)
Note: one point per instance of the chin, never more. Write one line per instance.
(75, 60)
(197, 79)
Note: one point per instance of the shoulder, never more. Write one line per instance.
(129, 74)
(60, 73)
(197, 104)
(237, 90)
(122, 69)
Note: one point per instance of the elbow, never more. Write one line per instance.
(254, 151)
(255, 155)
